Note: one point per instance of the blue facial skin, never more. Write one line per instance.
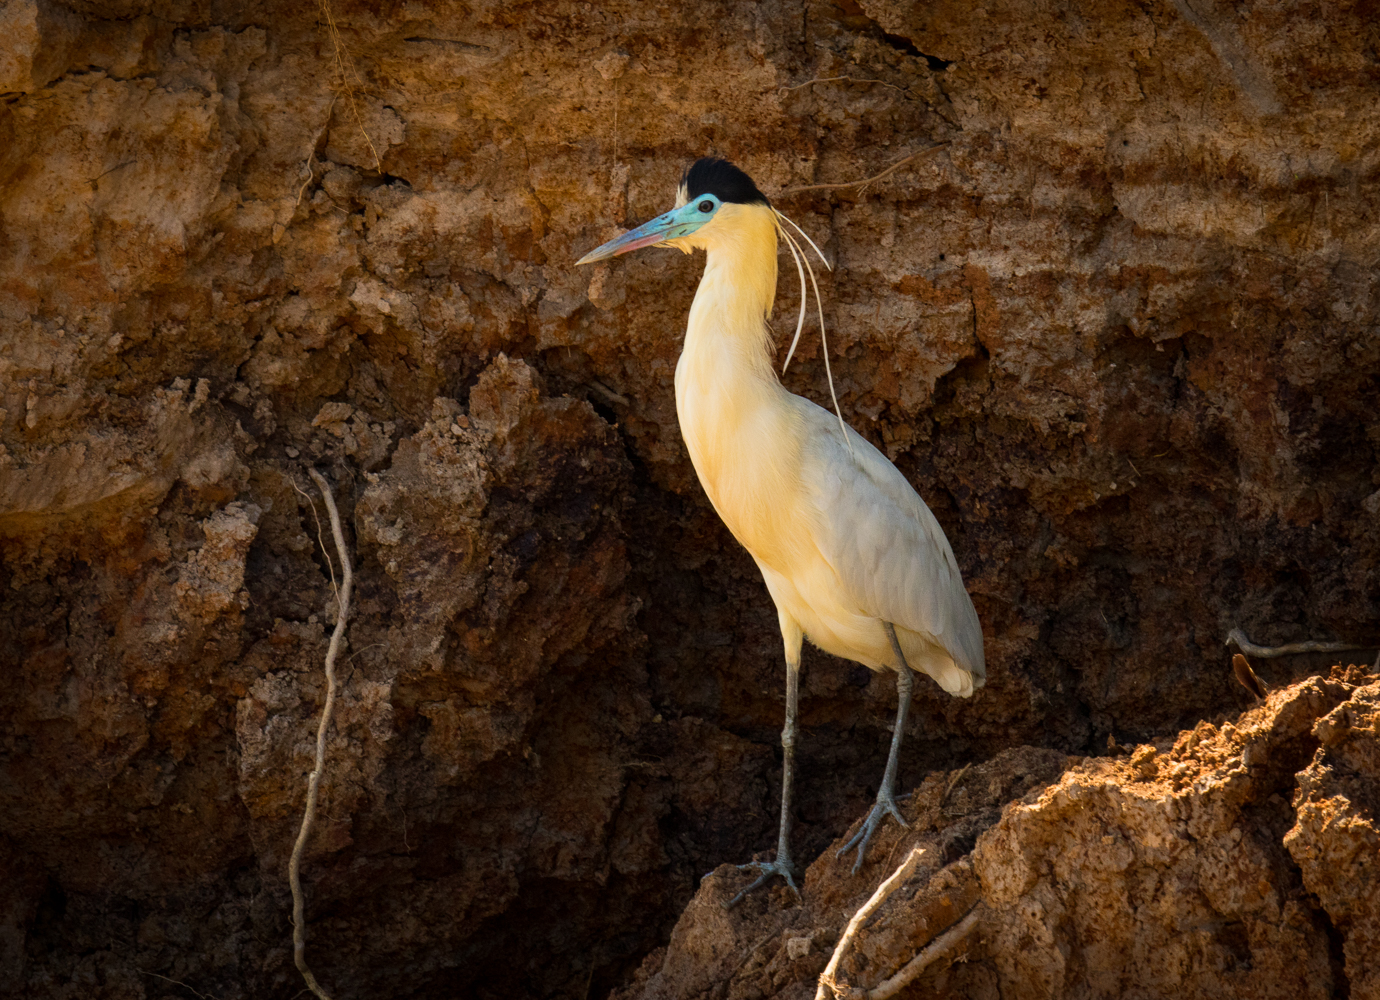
(672, 225)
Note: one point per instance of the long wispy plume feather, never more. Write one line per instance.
(804, 302)
(799, 254)
(822, 259)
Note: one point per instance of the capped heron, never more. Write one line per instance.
(850, 553)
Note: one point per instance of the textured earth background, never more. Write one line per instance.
(1122, 333)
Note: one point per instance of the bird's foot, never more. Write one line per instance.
(886, 803)
(765, 869)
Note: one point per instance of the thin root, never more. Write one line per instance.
(178, 982)
(867, 181)
(311, 153)
(926, 956)
(827, 980)
(320, 540)
(299, 934)
(842, 79)
(346, 65)
(954, 781)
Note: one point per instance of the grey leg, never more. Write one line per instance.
(782, 865)
(886, 795)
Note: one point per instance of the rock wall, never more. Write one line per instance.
(1120, 332)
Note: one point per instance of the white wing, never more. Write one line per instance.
(885, 544)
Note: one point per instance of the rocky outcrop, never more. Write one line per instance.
(1335, 840)
(1212, 866)
(1118, 330)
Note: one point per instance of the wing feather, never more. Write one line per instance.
(886, 545)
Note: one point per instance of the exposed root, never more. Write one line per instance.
(831, 988)
(608, 394)
(306, 172)
(311, 153)
(349, 77)
(953, 782)
(299, 935)
(1238, 639)
(828, 984)
(926, 956)
(178, 982)
(863, 184)
(842, 79)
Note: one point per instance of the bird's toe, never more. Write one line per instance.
(884, 806)
(895, 813)
(766, 870)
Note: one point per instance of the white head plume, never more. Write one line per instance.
(800, 256)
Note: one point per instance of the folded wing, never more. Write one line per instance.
(886, 546)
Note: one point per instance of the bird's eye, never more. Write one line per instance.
(706, 207)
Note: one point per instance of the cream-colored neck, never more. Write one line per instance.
(728, 397)
(736, 293)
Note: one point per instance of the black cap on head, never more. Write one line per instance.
(721, 179)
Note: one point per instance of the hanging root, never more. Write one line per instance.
(828, 985)
(311, 153)
(349, 77)
(799, 255)
(299, 933)
(863, 184)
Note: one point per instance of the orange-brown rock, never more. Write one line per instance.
(1212, 866)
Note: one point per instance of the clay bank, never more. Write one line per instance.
(1121, 333)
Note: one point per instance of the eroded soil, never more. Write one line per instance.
(1120, 332)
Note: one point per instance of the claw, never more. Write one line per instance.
(783, 867)
(884, 806)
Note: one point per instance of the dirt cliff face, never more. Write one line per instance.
(1234, 861)
(1120, 332)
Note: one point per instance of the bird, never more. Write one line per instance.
(852, 557)
(1247, 678)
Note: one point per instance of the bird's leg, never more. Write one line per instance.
(886, 795)
(782, 864)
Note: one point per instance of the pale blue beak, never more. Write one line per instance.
(672, 225)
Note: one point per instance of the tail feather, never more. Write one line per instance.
(950, 676)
